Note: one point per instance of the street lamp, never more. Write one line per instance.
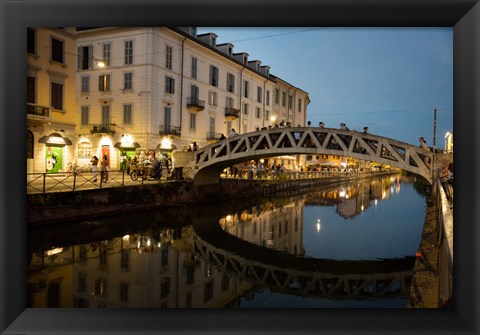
(273, 118)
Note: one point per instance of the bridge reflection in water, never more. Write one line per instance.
(209, 258)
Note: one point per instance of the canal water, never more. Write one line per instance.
(348, 246)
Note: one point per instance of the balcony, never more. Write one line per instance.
(36, 110)
(169, 130)
(104, 128)
(231, 113)
(211, 136)
(195, 104)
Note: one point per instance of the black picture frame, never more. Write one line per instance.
(462, 15)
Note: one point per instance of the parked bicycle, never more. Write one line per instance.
(74, 168)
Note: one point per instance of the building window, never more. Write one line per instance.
(106, 53)
(246, 89)
(212, 125)
(193, 121)
(128, 80)
(169, 85)
(225, 283)
(101, 287)
(82, 253)
(167, 117)
(82, 285)
(85, 115)
(267, 98)
(31, 90)
(245, 108)
(123, 292)
(229, 102)
(57, 96)
(230, 83)
(106, 116)
(85, 84)
(259, 94)
(194, 68)
(212, 98)
(84, 57)
(127, 114)
(168, 57)
(57, 50)
(276, 96)
(30, 142)
(284, 99)
(165, 288)
(31, 41)
(208, 291)
(257, 112)
(213, 76)
(290, 102)
(104, 83)
(190, 275)
(267, 115)
(84, 150)
(194, 92)
(188, 300)
(165, 257)
(125, 260)
(299, 108)
(128, 52)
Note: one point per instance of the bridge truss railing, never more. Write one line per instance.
(305, 283)
(281, 141)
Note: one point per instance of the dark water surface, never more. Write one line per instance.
(350, 246)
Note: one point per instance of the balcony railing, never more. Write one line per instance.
(231, 113)
(104, 128)
(169, 130)
(37, 110)
(195, 104)
(213, 136)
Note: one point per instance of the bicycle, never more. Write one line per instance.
(74, 168)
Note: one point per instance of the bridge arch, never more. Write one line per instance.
(211, 160)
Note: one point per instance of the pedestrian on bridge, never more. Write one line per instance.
(233, 133)
(343, 126)
(321, 124)
(365, 130)
(423, 143)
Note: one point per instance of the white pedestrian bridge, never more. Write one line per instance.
(212, 159)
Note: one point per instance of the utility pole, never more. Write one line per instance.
(434, 127)
(433, 146)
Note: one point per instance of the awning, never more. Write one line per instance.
(55, 139)
(120, 145)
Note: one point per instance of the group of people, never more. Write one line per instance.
(103, 168)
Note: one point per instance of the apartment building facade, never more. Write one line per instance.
(157, 90)
(51, 109)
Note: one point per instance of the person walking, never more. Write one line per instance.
(94, 162)
(321, 124)
(104, 169)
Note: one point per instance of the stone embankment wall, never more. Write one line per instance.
(51, 208)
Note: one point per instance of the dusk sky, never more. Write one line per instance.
(389, 79)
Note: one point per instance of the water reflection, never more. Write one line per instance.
(260, 256)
